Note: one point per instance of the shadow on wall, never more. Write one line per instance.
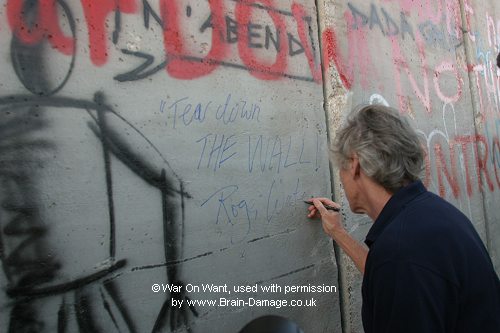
(271, 324)
(36, 151)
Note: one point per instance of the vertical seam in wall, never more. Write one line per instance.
(475, 105)
(338, 259)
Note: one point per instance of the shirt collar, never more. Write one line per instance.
(395, 204)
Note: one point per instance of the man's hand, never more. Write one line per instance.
(331, 220)
(332, 225)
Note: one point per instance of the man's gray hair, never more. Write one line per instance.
(388, 148)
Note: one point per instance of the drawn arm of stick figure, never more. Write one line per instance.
(158, 175)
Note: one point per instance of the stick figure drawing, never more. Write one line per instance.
(57, 203)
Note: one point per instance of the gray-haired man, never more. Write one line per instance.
(426, 269)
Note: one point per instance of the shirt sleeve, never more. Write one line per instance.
(410, 298)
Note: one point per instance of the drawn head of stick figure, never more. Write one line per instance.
(42, 69)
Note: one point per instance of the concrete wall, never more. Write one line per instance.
(160, 142)
(172, 142)
(435, 61)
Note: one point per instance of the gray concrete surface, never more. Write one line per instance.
(162, 142)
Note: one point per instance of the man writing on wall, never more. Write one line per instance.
(426, 268)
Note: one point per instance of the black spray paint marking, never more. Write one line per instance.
(27, 268)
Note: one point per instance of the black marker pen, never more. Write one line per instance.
(335, 209)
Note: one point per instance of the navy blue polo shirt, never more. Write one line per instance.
(427, 270)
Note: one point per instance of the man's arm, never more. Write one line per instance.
(333, 227)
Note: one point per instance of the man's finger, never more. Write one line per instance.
(319, 206)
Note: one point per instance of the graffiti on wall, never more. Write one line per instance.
(56, 203)
(428, 80)
(33, 150)
(236, 41)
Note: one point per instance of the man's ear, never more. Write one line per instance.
(355, 167)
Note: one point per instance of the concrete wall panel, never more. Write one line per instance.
(167, 142)
(484, 47)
